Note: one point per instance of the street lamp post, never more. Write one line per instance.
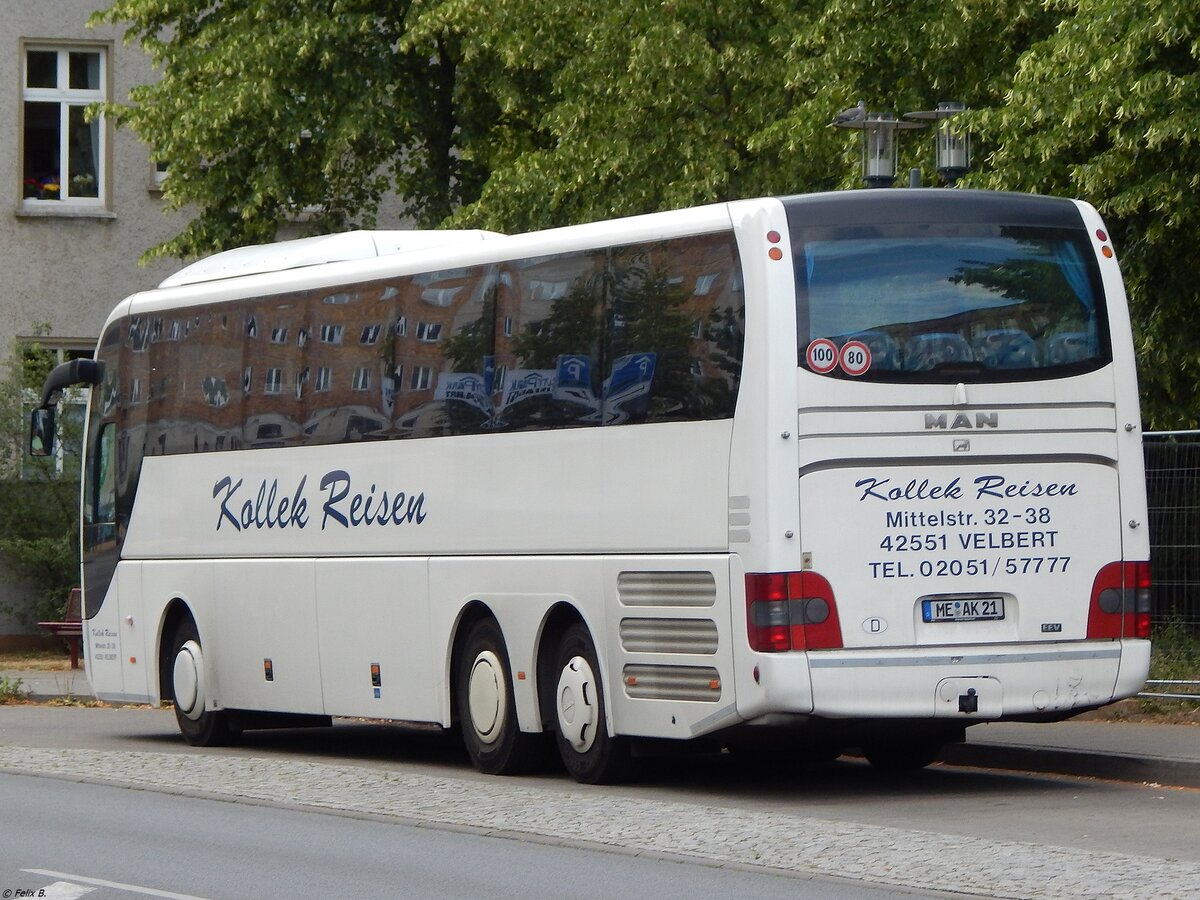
(953, 148)
(878, 142)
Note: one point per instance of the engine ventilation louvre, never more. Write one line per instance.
(676, 589)
(697, 636)
(647, 682)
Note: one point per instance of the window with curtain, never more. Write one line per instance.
(63, 152)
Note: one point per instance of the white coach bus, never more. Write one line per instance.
(851, 470)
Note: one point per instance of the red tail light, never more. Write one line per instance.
(1120, 601)
(791, 611)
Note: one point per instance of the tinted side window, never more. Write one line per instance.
(675, 328)
(551, 352)
(608, 336)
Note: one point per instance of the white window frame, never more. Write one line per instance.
(274, 381)
(440, 296)
(67, 98)
(362, 379)
(704, 283)
(324, 379)
(422, 377)
(429, 332)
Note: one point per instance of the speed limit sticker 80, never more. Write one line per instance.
(855, 357)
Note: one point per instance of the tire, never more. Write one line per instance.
(189, 687)
(590, 754)
(487, 713)
(902, 755)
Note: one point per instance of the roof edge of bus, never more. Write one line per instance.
(314, 251)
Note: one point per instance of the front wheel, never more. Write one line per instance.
(200, 727)
(590, 754)
(487, 712)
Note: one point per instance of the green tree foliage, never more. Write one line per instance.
(39, 503)
(267, 109)
(520, 114)
(1105, 109)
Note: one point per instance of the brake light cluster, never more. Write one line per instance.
(791, 611)
(1120, 604)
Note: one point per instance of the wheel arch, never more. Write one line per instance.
(560, 617)
(472, 612)
(174, 614)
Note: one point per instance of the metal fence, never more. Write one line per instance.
(1173, 487)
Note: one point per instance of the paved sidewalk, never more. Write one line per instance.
(1155, 754)
(49, 685)
(1122, 751)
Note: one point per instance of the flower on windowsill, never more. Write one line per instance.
(50, 189)
(82, 183)
(33, 188)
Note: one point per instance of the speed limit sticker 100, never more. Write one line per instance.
(822, 356)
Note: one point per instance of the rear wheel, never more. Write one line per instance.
(200, 727)
(591, 755)
(487, 712)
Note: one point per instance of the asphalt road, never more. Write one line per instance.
(129, 843)
(978, 832)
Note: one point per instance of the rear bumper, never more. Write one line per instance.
(976, 683)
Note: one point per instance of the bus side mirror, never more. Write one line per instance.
(41, 432)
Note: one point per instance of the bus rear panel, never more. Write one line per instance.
(972, 542)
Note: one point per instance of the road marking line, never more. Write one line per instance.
(100, 882)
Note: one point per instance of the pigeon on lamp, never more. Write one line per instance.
(851, 114)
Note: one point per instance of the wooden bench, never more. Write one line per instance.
(71, 626)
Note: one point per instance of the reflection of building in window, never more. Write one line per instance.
(324, 378)
(370, 334)
(362, 379)
(429, 331)
(279, 335)
(421, 378)
(548, 290)
(63, 153)
(331, 334)
(274, 381)
(704, 283)
(440, 296)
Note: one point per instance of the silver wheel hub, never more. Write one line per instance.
(188, 680)
(487, 697)
(578, 714)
